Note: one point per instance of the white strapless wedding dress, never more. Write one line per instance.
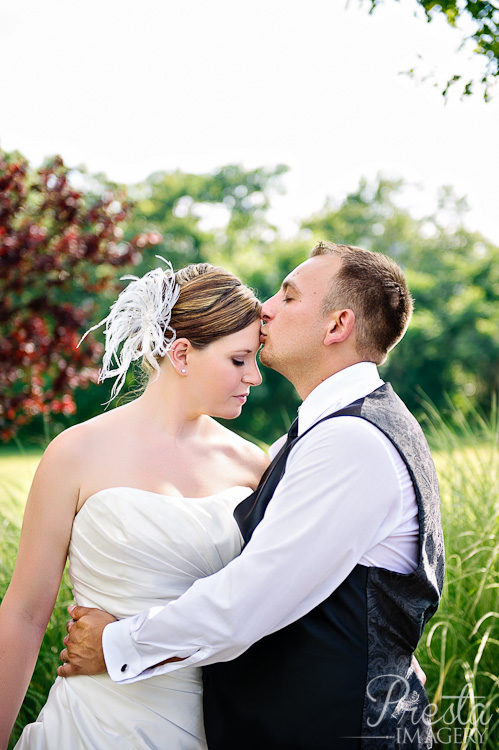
(130, 550)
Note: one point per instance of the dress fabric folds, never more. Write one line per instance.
(130, 550)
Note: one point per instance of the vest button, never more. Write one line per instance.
(124, 667)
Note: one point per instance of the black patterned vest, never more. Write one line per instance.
(340, 678)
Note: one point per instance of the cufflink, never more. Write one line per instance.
(124, 667)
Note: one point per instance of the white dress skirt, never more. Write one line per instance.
(131, 550)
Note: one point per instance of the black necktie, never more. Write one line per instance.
(293, 431)
(249, 513)
(292, 435)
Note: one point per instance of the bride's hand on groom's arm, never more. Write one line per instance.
(83, 653)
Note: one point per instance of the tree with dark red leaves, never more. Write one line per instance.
(59, 251)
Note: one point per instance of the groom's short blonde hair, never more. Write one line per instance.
(374, 287)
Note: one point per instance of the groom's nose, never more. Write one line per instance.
(268, 308)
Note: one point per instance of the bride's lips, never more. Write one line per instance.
(242, 398)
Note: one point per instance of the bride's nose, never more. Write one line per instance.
(252, 376)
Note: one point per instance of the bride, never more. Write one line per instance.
(141, 498)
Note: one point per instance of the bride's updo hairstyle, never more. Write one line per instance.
(200, 302)
(212, 303)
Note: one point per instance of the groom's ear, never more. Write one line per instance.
(340, 325)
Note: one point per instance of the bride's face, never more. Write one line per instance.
(221, 374)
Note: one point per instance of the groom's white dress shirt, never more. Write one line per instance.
(346, 498)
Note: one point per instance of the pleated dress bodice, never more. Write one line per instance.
(130, 550)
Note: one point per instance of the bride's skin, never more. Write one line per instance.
(165, 441)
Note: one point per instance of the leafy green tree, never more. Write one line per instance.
(197, 214)
(483, 18)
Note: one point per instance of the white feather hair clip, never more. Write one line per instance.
(138, 322)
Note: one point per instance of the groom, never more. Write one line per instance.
(307, 637)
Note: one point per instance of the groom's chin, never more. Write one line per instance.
(265, 358)
(269, 361)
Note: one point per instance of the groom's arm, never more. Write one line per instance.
(339, 497)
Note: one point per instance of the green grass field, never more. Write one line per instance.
(16, 473)
(460, 647)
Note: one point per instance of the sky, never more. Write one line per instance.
(129, 88)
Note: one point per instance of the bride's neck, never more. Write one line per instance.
(164, 407)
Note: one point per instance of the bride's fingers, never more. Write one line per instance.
(63, 654)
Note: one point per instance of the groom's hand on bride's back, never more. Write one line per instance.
(83, 652)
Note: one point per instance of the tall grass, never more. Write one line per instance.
(460, 649)
(13, 495)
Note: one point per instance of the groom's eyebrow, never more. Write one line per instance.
(289, 285)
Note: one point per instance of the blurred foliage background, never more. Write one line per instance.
(66, 237)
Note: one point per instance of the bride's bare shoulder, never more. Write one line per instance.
(244, 451)
(89, 436)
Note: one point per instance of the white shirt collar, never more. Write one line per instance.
(338, 391)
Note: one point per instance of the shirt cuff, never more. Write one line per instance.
(122, 660)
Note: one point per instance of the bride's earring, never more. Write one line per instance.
(183, 370)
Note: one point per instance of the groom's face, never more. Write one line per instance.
(293, 321)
